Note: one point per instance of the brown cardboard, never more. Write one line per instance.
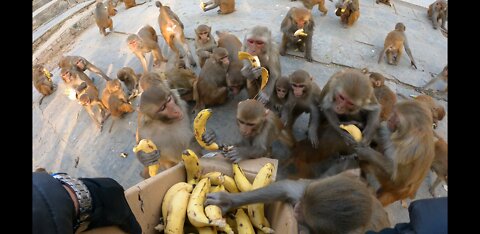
(145, 198)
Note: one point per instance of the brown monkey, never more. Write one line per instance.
(42, 81)
(406, 152)
(438, 11)
(150, 79)
(235, 80)
(349, 96)
(440, 81)
(438, 112)
(111, 8)
(163, 119)
(280, 95)
(87, 95)
(75, 79)
(309, 4)
(259, 127)
(336, 205)
(80, 64)
(440, 164)
(211, 88)
(130, 79)
(131, 3)
(102, 18)
(226, 6)
(115, 100)
(297, 18)
(303, 97)
(143, 42)
(231, 43)
(172, 31)
(204, 43)
(348, 10)
(386, 2)
(258, 42)
(182, 79)
(395, 41)
(385, 96)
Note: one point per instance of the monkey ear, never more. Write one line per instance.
(209, 29)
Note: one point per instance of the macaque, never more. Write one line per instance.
(226, 6)
(386, 2)
(102, 18)
(172, 31)
(163, 118)
(440, 163)
(211, 88)
(130, 79)
(385, 96)
(235, 80)
(115, 100)
(87, 96)
(440, 80)
(297, 18)
(335, 205)
(406, 152)
(131, 3)
(438, 11)
(309, 4)
(231, 43)
(258, 42)
(259, 127)
(349, 96)
(111, 8)
(348, 10)
(303, 97)
(395, 41)
(143, 42)
(182, 79)
(280, 95)
(150, 79)
(438, 112)
(80, 64)
(204, 43)
(42, 81)
(75, 79)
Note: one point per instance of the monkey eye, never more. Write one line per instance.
(298, 85)
(162, 108)
(251, 41)
(203, 33)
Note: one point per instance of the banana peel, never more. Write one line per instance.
(147, 146)
(353, 130)
(253, 59)
(264, 78)
(199, 127)
(300, 32)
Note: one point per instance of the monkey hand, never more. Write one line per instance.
(220, 199)
(312, 136)
(233, 155)
(249, 72)
(263, 98)
(148, 159)
(209, 137)
(364, 152)
(348, 138)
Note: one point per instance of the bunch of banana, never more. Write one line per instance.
(300, 32)
(255, 61)
(192, 166)
(175, 203)
(195, 210)
(199, 127)
(242, 182)
(353, 130)
(167, 199)
(256, 211)
(147, 146)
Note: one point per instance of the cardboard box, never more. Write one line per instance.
(145, 198)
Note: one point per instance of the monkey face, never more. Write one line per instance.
(170, 110)
(66, 76)
(248, 128)
(255, 46)
(81, 64)
(392, 122)
(204, 36)
(298, 89)
(343, 104)
(281, 92)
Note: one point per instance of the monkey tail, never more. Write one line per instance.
(381, 55)
(158, 4)
(195, 90)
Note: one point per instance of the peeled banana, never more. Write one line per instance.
(171, 192)
(353, 130)
(177, 212)
(256, 211)
(192, 166)
(230, 184)
(47, 74)
(199, 125)
(216, 177)
(242, 182)
(300, 32)
(253, 59)
(147, 146)
(244, 226)
(195, 211)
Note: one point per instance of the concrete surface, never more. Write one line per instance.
(65, 138)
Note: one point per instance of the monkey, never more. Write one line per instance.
(150, 79)
(111, 8)
(143, 42)
(258, 127)
(131, 3)
(438, 11)
(235, 80)
(81, 64)
(405, 154)
(309, 4)
(87, 96)
(348, 11)
(440, 80)
(280, 95)
(130, 79)
(438, 112)
(231, 43)
(258, 42)
(182, 79)
(386, 2)
(226, 6)
(75, 79)
(204, 43)
(211, 88)
(102, 18)
(395, 41)
(115, 100)
(172, 31)
(385, 96)
(337, 204)
(42, 81)
(304, 96)
(440, 163)
(297, 18)
(349, 96)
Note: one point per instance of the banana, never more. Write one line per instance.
(264, 78)
(192, 166)
(353, 130)
(47, 74)
(176, 212)
(256, 211)
(216, 177)
(147, 146)
(244, 226)
(199, 128)
(207, 230)
(195, 210)
(231, 222)
(300, 33)
(253, 59)
(230, 185)
(242, 182)
(214, 213)
(171, 192)
(202, 5)
(218, 188)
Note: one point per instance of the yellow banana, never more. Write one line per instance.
(253, 59)
(214, 213)
(231, 222)
(353, 130)
(244, 226)
(207, 230)
(300, 33)
(230, 185)
(195, 210)
(256, 211)
(216, 177)
(202, 5)
(147, 146)
(242, 182)
(176, 212)
(171, 192)
(218, 188)
(47, 74)
(199, 125)
(192, 166)
(264, 78)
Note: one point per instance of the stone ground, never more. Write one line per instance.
(65, 139)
